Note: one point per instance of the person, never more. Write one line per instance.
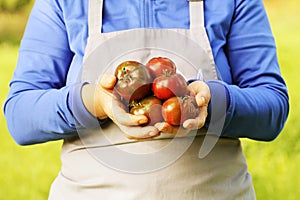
(47, 102)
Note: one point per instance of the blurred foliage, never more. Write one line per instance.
(13, 18)
(13, 5)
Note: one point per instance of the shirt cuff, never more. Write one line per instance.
(83, 118)
(219, 101)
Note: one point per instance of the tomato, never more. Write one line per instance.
(159, 65)
(126, 66)
(134, 81)
(169, 85)
(149, 106)
(178, 109)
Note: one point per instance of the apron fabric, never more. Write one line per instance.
(222, 174)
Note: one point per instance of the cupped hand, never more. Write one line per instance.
(201, 92)
(102, 102)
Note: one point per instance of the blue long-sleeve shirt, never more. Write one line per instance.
(38, 107)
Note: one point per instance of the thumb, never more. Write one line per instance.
(201, 91)
(201, 101)
(108, 81)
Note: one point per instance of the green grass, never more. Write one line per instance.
(27, 172)
(275, 165)
(12, 26)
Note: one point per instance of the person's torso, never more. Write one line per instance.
(132, 14)
(102, 162)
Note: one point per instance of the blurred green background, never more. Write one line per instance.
(27, 172)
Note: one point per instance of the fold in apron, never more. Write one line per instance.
(103, 163)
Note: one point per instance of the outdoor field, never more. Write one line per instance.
(27, 172)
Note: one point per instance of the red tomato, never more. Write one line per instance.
(178, 109)
(159, 65)
(149, 106)
(169, 85)
(134, 81)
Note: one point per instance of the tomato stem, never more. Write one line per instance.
(166, 73)
(134, 103)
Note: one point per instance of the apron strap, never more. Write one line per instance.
(196, 15)
(96, 7)
(95, 16)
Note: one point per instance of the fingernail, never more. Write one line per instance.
(142, 121)
(152, 133)
(188, 126)
(203, 99)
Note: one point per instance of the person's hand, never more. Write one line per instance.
(201, 91)
(101, 102)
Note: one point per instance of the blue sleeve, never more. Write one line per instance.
(258, 102)
(39, 105)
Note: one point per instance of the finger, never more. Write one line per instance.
(198, 122)
(199, 87)
(164, 127)
(178, 131)
(118, 112)
(201, 101)
(108, 81)
(193, 124)
(139, 133)
(127, 119)
(201, 90)
(120, 115)
(143, 137)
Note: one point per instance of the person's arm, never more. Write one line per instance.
(37, 108)
(40, 107)
(255, 104)
(258, 102)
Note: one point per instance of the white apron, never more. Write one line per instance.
(103, 164)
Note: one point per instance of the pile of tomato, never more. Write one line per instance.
(155, 90)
